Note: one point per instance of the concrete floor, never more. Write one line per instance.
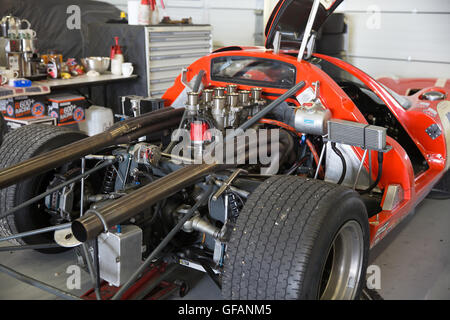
(414, 260)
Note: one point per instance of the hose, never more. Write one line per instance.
(344, 164)
(380, 171)
(299, 134)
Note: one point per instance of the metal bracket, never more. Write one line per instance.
(184, 81)
(277, 42)
(227, 183)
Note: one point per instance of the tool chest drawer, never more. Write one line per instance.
(169, 50)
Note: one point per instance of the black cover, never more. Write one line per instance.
(290, 18)
(49, 19)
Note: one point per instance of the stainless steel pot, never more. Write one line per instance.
(99, 64)
(12, 23)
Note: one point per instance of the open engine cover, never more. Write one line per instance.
(290, 18)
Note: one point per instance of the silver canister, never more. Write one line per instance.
(235, 110)
(233, 99)
(219, 112)
(219, 91)
(232, 88)
(256, 95)
(207, 97)
(244, 98)
(312, 119)
(192, 104)
(257, 100)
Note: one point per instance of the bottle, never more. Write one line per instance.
(117, 59)
(144, 13)
(155, 16)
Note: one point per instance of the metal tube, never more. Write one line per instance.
(308, 29)
(83, 169)
(147, 130)
(48, 192)
(38, 284)
(240, 192)
(320, 160)
(89, 226)
(97, 265)
(29, 247)
(360, 168)
(34, 232)
(91, 270)
(55, 158)
(163, 244)
(127, 172)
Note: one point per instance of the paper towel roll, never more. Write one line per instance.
(133, 12)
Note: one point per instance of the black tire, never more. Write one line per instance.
(335, 24)
(20, 145)
(3, 128)
(282, 239)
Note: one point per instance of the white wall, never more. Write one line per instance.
(235, 22)
(405, 38)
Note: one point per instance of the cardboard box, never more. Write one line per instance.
(67, 108)
(22, 107)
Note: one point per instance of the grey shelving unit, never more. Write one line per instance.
(158, 53)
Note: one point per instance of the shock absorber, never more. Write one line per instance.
(109, 181)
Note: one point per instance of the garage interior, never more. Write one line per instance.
(388, 40)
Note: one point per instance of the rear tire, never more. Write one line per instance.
(3, 127)
(283, 243)
(20, 145)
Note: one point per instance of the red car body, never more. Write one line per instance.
(398, 169)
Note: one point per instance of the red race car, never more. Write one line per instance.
(350, 157)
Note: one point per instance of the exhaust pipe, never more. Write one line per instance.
(91, 225)
(124, 131)
(95, 222)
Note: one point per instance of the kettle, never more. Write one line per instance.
(12, 23)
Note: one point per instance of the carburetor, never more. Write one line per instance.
(224, 107)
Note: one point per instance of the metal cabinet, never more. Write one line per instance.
(158, 54)
(169, 50)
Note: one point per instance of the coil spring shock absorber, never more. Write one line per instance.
(109, 181)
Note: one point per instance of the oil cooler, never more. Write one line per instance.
(357, 134)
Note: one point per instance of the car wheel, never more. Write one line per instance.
(3, 128)
(295, 239)
(20, 145)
